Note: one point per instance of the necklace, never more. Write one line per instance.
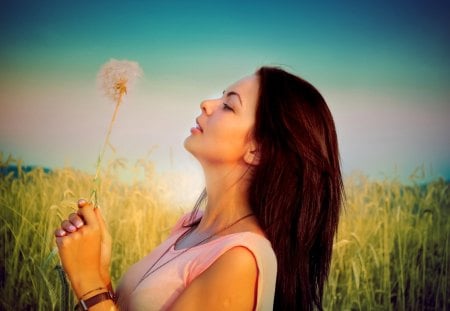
(151, 270)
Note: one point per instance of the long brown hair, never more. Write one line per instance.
(296, 189)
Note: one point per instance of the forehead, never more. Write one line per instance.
(247, 88)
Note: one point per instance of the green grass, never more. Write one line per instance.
(391, 253)
(392, 250)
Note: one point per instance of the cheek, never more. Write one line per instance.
(230, 143)
(231, 134)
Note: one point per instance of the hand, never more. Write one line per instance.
(85, 248)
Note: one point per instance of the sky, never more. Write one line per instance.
(382, 66)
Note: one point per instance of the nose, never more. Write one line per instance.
(207, 106)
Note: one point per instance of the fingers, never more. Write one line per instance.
(86, 211)
(59, 233)
(76, 220)
(73, 223)
(86, 214)
(69, 225)
(82, 203)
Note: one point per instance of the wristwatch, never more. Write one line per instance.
(86, 304)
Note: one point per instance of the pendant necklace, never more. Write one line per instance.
(151, 270)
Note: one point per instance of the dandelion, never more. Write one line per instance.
(115, 78)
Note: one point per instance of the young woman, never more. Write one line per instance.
(263, 240)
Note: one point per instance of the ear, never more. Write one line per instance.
(251, 156)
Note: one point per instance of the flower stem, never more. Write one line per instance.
(96, 180)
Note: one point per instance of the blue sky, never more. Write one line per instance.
(382, 66)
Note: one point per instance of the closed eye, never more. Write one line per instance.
(227, 107)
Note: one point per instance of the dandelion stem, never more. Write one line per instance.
(115, 77)
(96, 180)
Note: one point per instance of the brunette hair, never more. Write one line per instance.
(296, 189)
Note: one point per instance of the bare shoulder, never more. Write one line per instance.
(228, 284)
(237, 255)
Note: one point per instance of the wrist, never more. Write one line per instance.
(106, 278)
(88, 287)
(100, 298)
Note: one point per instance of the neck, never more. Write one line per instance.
(226, 189)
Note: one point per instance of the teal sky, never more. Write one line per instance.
(382, 66)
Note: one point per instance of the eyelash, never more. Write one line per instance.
(227, 107)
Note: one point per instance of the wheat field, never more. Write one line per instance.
(391, 251)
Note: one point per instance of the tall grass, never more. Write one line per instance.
(33, 204)
(392, 250)
(391, 253)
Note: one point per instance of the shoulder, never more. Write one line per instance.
(236, 246)
(237, 269)
(238, 261)
(249, 251)
(228, 283)
(255, 244)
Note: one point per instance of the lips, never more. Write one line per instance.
(197, 125)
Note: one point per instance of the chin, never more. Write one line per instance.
(187, 144)
(193, 148)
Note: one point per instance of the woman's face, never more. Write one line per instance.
(222, 131)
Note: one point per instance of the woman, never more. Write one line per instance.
(269, 152)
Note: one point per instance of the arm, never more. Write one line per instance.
(230, 283)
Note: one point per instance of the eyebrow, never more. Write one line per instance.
(230, 93)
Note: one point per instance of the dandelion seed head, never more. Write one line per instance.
(116, 77)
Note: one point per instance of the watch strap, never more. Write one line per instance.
(86, 304)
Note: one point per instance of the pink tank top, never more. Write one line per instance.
(162, 287)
